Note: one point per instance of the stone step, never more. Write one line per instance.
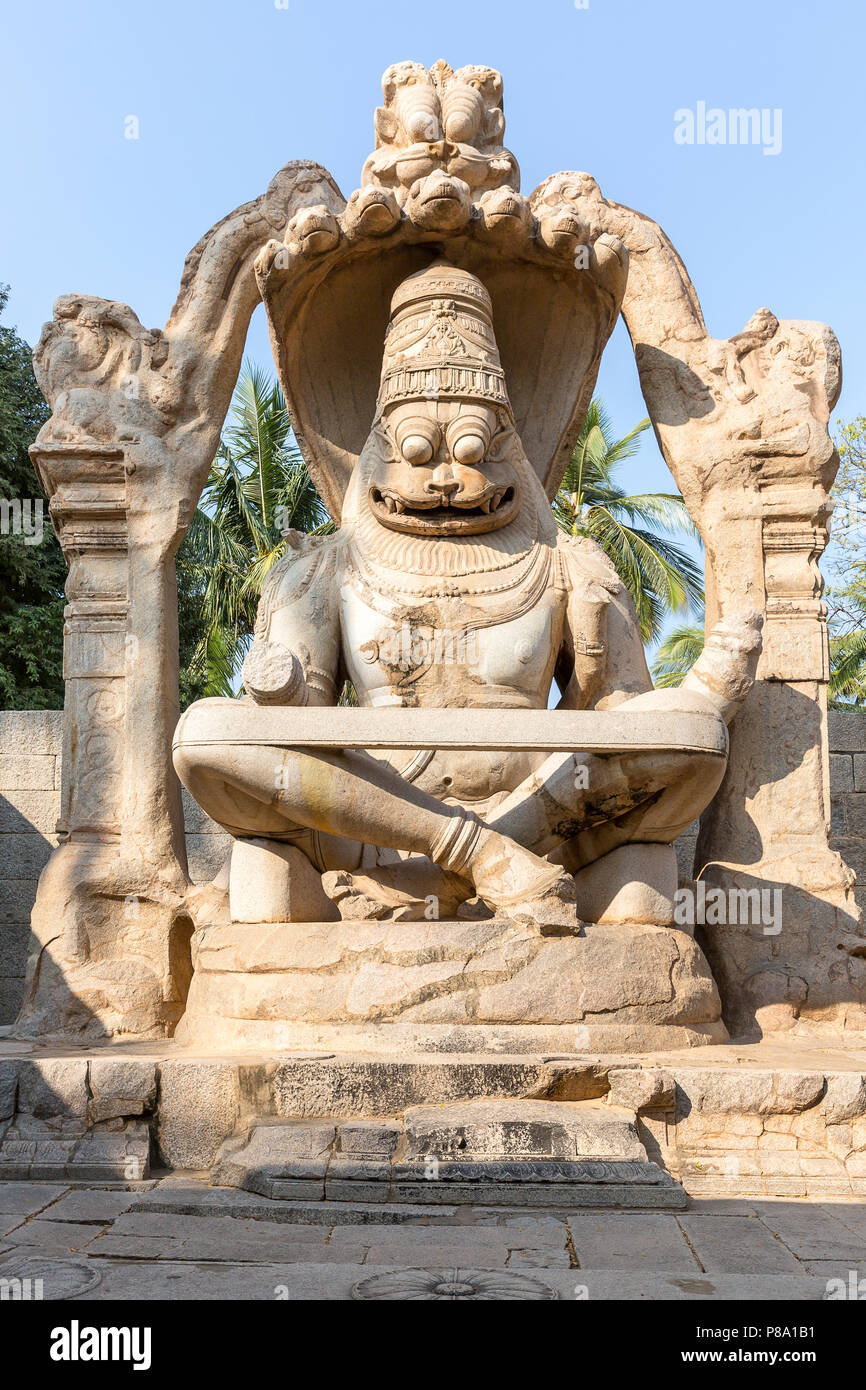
(494, 1152)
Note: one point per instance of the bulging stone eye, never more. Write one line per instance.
(416, 449)
(469, 448)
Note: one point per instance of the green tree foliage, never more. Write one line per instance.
(677, 654)
(258, 486)
(31, 575)
(846, 571)
(633, 531)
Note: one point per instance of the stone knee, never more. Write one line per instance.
(633, 883)
(237, 786)
(692, 781)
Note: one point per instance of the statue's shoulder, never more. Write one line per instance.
(585, 565)
(306, 556)
(309, 563)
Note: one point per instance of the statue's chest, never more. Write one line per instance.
(450, 651)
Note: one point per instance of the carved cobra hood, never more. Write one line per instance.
(439, 185)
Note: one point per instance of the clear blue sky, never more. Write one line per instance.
(227, 91)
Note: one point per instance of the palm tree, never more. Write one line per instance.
(677, 654)
(847, 688)
(659, 574)
(258, 486)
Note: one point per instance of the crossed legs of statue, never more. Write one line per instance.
(574, 808)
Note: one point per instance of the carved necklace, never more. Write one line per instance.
(393, 595)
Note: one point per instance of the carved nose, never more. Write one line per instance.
(445, 150)
(443, 481)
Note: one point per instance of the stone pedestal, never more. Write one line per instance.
(768, 825)
(585, 1129)
(449, 986)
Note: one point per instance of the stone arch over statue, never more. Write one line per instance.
(742, 424)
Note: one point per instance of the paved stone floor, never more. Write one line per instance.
(178, 1238)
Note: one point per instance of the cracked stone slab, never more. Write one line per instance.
(27, 1198)
(725, 1244)
(271, 1151)
(89, 1204)
(377, 986)
(53, 1236)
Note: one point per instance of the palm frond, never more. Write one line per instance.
(677, 654)
(632, 530)
(258, 486)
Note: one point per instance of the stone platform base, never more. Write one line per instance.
(584, 1129)
(494, 1152)
(408, 988)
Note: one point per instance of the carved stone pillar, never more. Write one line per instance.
(111, 901)
(87, 487)
(768, 826)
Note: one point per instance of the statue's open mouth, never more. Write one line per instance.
(437, 516)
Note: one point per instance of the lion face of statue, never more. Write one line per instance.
(440, 120)
(449, 468)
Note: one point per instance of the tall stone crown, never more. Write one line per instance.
(440, 340)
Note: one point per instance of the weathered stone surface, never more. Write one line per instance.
(269, 1151)
(841, 773)
(89, 1204)
(206, 856)
(107, 1154)
(380, 1086)
(29, 732)
(53, 1238)
(198, 822)
(639, 1088)
(522, 1128)
(51, 1088)
(591, 1192)
(199, 1108)
(847, 731)
(845, 1098)
(8, 1087)
(24, 854)
(16, 900)
(26, 812)
(121, 1087)
(26, 771)
(371, 1138)
(11, 994)
(25, 1198)
(722, 1090)
(727, 1244)
(256, 982)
